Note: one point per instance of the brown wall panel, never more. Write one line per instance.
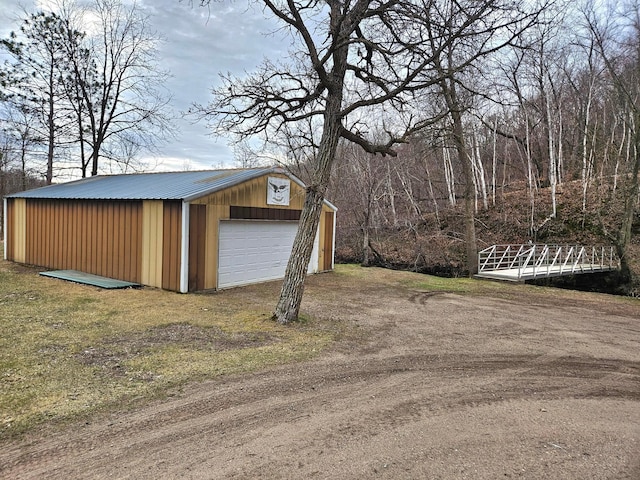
(327, 243)
(215, 213)
(259, 213)
(102, 240)
(151, 241)
(171, 245)
(93, 257)
(96, 237)
(197, 246)
(88, 247)
(122, 231)
(70, 254)
(108, 242)
(10, 228)
(68, 245)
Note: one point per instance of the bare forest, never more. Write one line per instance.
(551, 136)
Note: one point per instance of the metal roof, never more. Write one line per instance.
(184, 186)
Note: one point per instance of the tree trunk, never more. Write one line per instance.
(630, 204)
(366, 258)
(290, 299)
(494, 163)
(288, 306)
(449, 176)
(469, 213)
(553, 168)
(392, 197)
(95, 155)
(366, 222)
(50, 125)
(464, 158)
(434, 200)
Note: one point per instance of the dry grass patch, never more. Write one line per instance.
(511, 291)
(69, 350)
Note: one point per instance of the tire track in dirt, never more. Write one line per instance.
(397, 391)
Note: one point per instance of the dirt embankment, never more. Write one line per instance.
(429, 385)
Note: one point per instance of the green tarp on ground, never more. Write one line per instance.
(88, 279)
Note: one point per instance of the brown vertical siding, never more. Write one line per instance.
(20, 229)
(95, 222)
(124, 217)
(327, 247)
(134, 265)
(67, 251)
(103, 240)
(96, 237)
(151, 239)
(171, 245)
(197, 246)
(10, 223)
(215, 213)
(108, 242)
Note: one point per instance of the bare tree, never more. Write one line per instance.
(128, 103)
(33, 79)
(487, 27)
(92, 73)
(21, 142)
(360, 191)
(247, 156)
(355, 58)
(617, 40)
(16, 145)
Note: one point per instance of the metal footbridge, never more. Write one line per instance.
(518, 263)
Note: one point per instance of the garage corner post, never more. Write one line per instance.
(4, 227)
(184, 249)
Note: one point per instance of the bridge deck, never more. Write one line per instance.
(518, 263)
(530, 273)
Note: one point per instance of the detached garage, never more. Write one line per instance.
(183, 231)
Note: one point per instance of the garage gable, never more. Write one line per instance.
(254, 192)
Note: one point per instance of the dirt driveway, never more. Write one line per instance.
(434, 386)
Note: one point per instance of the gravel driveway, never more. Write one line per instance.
(432, 385)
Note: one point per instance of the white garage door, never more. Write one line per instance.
(254, 251)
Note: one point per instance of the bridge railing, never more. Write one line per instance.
(500, 257)
(547, 260)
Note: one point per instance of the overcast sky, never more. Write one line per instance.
(199, 43)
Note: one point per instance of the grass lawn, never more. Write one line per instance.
(68, 350)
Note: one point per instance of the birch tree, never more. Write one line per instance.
(488, 28)
(617, 39)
